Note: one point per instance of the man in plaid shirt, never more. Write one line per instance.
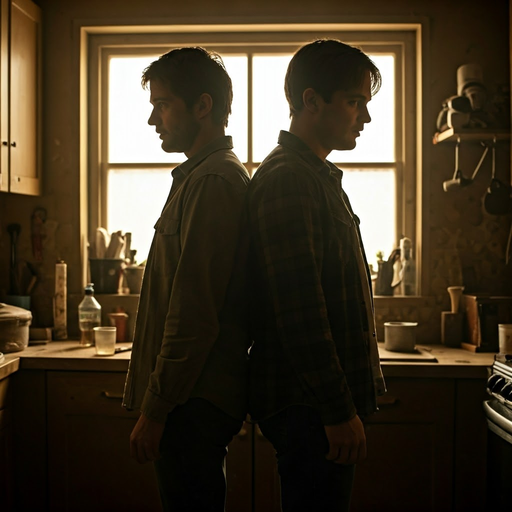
(314, 361)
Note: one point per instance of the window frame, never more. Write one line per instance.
(403, 40)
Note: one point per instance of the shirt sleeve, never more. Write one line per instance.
(209, 234)
(286, 221)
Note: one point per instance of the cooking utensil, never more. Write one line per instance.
(102, 241)
(26, 277)
(38, 232)
(122, 349)
(459, 180)
(116, 246)
(14, 232)
(497, 200)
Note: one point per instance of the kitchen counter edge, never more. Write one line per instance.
(68, 355)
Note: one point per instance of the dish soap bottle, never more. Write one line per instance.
(89, 316)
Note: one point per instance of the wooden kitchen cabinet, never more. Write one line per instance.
(6, 444)
(426, 451)
(470, 453)
(89, 464)
(72, 447)
(20, 97)
(239, 463)
(410, 449)
(426, 445)
(410, 461)
(267, 490)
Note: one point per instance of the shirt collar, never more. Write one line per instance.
(291, 141)
(224, 142)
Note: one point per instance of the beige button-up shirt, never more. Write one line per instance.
(191, 335)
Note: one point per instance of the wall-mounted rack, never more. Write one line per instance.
(471, 134)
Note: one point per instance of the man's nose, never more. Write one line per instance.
(151, 119)
(366, 116)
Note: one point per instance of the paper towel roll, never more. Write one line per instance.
(60, 329)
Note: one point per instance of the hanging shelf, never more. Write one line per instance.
(471, 134)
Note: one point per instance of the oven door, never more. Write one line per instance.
(499, 455)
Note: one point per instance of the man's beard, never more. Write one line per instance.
(181, 140)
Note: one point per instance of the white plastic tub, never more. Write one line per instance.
(14, 328)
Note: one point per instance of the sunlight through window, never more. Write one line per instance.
(132, 144)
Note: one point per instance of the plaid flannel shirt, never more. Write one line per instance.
(310, 327)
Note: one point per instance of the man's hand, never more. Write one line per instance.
(347, 442)
(145, 440)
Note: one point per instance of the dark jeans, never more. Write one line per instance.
(190, 472)
(309, 482)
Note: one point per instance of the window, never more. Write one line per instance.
(132, 174)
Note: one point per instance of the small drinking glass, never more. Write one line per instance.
(105, 340)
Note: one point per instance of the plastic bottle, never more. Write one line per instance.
(89, 316)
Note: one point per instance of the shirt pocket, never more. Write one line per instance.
(167, 227)
(342, 222)
(340, 241)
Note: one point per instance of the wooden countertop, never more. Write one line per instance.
(68, 355)
(449, 363)
(64, 355)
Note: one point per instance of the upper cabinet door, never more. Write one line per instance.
(4, 95)
(25, 98)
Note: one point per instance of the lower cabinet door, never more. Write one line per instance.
(6, 447)
(409, 464)
(239, 463)
(410, 441)
(89, 464)
(267, 489)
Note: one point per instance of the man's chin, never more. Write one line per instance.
(168, 148)
(346, 146)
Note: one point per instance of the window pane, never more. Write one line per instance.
(270, 108)
(135, 201)
(236, 66)
(377, 141)
(131, 139)
(372, 196)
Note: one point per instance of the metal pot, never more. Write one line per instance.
(14, 324)
(400, 336)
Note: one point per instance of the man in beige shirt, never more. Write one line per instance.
(188, 371)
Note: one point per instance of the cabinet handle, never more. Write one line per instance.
(13, 144)
(5, 143)
(388, 401)
(112, 396)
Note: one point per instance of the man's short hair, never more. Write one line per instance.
(327, 66)
(190, 72)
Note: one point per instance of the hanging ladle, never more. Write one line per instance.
(497, 199)
(459, 180)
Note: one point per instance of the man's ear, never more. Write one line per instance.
(311, 100)
(203, 105)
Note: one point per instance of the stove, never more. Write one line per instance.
(498, 411)
(499, 384)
